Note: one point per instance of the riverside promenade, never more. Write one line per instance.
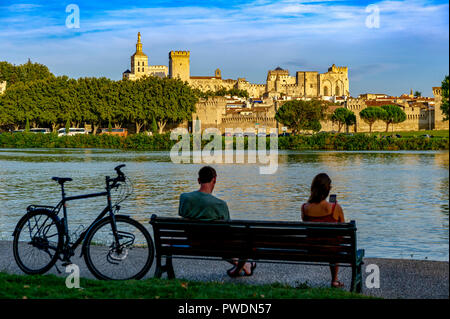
(399, 278)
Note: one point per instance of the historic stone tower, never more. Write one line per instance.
(2, 86)
(139, 60)
(179, 65)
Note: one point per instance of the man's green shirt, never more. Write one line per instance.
(199, 205)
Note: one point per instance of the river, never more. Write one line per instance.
(399, 200)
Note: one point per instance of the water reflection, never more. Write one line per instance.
(398, 199)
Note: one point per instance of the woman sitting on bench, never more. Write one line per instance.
(318, 209)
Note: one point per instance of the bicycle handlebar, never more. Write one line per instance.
(120, 176)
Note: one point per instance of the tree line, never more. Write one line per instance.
(301, 115)
(45, 100)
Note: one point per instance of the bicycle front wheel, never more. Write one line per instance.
(126, 253)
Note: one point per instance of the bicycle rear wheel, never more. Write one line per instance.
(37, 241)
(131, 258)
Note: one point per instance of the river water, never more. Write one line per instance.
(399, 200)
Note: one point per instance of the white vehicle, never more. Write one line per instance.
(72, 131)
(40, 130)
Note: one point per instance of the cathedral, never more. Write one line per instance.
(279, 83)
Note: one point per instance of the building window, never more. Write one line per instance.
(142, 69)
(139, 70)
(143, 63)
(139, 63)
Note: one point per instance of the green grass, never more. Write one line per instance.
(53, 287)
(437, 133)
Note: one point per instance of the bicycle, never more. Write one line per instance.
(115, 247)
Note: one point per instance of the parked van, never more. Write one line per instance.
(40, 130)
(115, 131)
(72, 131)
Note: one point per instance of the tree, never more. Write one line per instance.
(154, 127)
(174, 101)
(394, 114)
(302, 115)
(27, 126)
(371, 114)
(23, 73)
(67, 126)
(444, 103)
(417, 94)
(343, 116)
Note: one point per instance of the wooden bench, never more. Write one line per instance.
(262, 241)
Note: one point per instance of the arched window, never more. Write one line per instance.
(139, 70)
(143, 63)
(337, 91)
(139, 63)
(325, 91)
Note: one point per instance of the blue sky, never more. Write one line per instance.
(410, 49)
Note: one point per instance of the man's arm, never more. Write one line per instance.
(226, 215)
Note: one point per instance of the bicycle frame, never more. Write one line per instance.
(67, 248)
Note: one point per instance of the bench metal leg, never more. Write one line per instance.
(356, 285)
(168, 267)
(359, 279)
(353, 284)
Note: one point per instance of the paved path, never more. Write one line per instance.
(399, 278)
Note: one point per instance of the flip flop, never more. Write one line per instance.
(237, 270)
(253, 266)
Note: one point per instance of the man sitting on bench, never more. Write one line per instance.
(202, 205)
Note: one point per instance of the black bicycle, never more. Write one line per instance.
(114, 246)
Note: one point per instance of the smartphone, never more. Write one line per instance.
(332, 198)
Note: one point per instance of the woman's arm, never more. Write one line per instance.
(339, 214)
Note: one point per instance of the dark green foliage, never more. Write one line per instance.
(154, 127)
(394, 114)
(52, 101)
(162, 142)
(372, 114)
(67, 126)
(23, 73)
(343, 116)
(301, 115)
(27, 126)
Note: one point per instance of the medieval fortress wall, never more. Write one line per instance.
(280, 87)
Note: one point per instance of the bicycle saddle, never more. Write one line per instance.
(62, 180)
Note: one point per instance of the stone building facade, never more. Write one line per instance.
(280, 87)
(307, 84)
(140, 66)
(2, 87)
(440, 124)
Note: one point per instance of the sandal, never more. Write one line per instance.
(237, 271)
(252, 267)
(337, 284)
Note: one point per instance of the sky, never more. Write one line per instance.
(407, 49)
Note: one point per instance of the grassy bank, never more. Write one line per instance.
(53, 287)
(321, 141)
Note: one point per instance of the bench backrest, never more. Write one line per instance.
(263, 240)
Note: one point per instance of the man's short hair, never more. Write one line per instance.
(206, 174)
